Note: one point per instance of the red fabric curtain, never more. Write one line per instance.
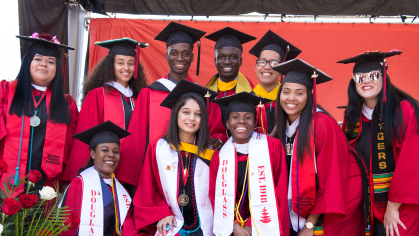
(322, 46)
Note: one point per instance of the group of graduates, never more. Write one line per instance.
(231, 158)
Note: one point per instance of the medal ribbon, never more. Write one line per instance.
(40, 100)
(185, 171)
(115, 200)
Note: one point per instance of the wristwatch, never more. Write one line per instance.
(309, 225)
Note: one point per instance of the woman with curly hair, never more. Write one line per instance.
(110, 93)
(37, 120)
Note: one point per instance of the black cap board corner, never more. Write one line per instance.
(123, 46)
(229, 37)
(44, 46)
(274, 42)
(185, 87)
(370, 60)
(107, 132)
(241, 102)
(175, 33)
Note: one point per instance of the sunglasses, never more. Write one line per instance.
(362, 77)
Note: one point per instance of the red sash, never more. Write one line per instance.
(303, 197)
(113, 109)
(159, 116)
(53, 153)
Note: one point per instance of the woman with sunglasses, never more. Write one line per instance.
(172, 194)
(381, 124)
(318, 156)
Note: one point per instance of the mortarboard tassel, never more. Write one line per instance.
(385, 78)
(314, 76)
(286, 53)
(199, 58)
(137, 60)
(64, 67)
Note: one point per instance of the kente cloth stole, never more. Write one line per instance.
(241, 86)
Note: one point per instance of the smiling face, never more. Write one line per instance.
(293, 99)
(106, 157)
(369, 90)
(124, 69)
(241, 126)
(43, 69)
(179, 56)
(265, 74)
(228, 61)
(189, 118)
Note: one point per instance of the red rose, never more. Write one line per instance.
(3, 167)
(72, 221)
(28, 200)
(10, 206)
(34, 176)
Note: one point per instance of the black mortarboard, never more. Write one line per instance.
(183, 88)
(300, 72)
(175, 33)
(241, 102)
(229, 37)
(372, 60)
(123, 46)
(272, 41)
(43, 44)
(107, 132)
(126, 47)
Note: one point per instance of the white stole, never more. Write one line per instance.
(167, 83)
(264, 210)
(168, 163)
(91, 218)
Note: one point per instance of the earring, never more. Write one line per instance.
(93, 157)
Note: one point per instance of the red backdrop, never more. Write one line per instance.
(322, 46)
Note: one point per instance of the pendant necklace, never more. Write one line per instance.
(35, 120)
(183, 199)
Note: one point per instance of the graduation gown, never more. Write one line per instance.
(100, 105)
(74, 197)
(50, 142)
(332, 156)
(404, 184)
(150, 200)
(243, 85)
(266, 117)
(279, 171)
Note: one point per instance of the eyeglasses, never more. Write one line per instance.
(362, 77)
(272, 63)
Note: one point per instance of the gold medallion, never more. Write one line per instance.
(183, 200)
(288, 148)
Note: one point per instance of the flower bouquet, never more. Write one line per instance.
(31, 215)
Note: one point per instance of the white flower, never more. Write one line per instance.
(1, 228)
(47, 193)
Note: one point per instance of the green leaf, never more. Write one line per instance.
(6, 188)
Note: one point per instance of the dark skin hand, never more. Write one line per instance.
(215, 144)
(228, 61)
(239, 231)
(179, 57)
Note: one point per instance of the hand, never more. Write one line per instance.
(306, 232)
(215, 144)
(161, 225)
(392, 219)
(239, 231)
(63, 187)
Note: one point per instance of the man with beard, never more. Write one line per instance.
(227, 60)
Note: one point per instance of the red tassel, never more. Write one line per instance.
(385, 78)
(286, 53)
(137, 61)
(64, 67)
(314, 76)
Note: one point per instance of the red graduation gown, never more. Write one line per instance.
(5, 131)
(94, 112)
(404, 186)
(339, 192)
(280, 174)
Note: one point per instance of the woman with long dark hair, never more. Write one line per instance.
(110, 93)
(172, 194)
(36, 118)
(248, 176)
(381, 124)
(317, 154)
(95, 195)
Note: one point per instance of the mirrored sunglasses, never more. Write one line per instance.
(362, 77)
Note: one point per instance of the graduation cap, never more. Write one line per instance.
(242, 102)
(175, 33)
(107, 132)
(300, 72)
(372, 60)
(126, 47)
(272, 41)
(184, 88)
(229, 37)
